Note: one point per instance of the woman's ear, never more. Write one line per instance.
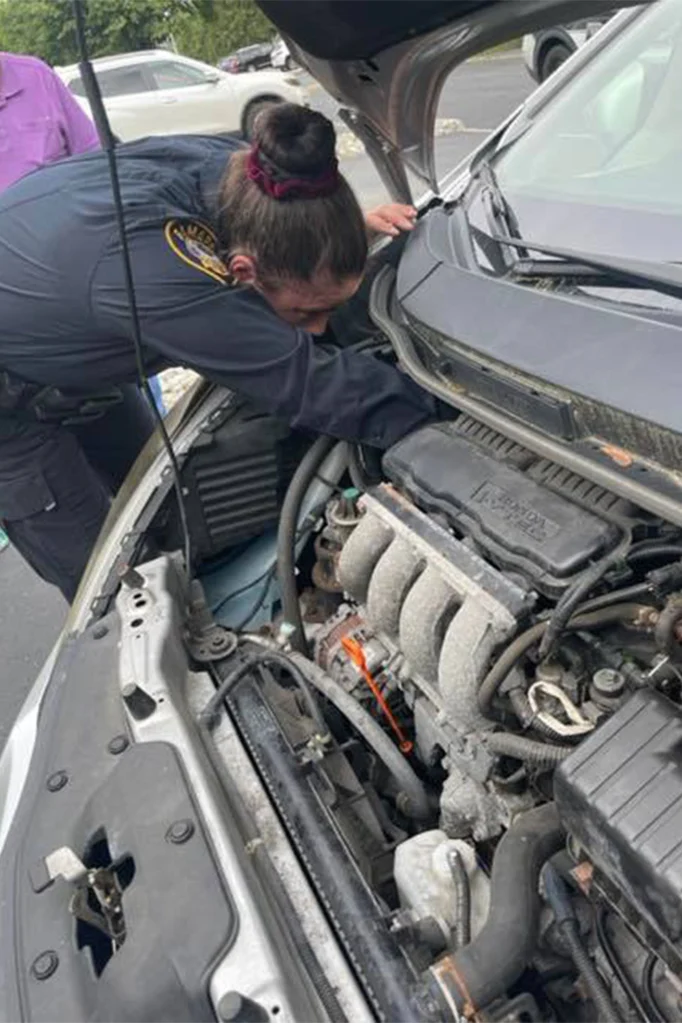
(242, 268)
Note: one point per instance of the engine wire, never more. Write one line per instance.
(108, 142)
(616, 966)
(655, 1014)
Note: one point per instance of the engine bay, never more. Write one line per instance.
(440, 694)
(458, 676)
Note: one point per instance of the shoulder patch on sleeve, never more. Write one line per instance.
(197, 245)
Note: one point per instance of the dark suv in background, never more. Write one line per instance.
(248, 58)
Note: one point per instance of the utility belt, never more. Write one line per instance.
(29, 402)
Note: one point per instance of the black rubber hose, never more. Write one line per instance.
(460, 880)
(558, 898)
(571, 600)
(518, 647)
(645, 553)
(472, 977)
(286, 537)
(655, 1013)
(529, 750)
(357, 471)
(636, 592)
(265, 656)
(414, 801)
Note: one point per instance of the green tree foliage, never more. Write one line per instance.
(218, 27)
(206, 29)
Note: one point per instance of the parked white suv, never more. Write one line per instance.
(156, 92)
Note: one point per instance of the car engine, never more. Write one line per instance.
(515, 628)
(457, 673)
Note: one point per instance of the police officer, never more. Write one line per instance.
(238, 257)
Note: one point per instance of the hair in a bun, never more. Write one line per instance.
(284, 202)
(299, 140)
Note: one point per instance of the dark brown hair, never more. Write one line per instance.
(292, 238)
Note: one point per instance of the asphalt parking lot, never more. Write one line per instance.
(476, 98)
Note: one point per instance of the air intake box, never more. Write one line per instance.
(620, 797)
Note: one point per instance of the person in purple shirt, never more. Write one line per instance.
(40, 120)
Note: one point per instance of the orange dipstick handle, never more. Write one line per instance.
(357, 656)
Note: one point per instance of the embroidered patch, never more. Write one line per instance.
(197, 246)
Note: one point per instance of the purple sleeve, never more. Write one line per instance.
(80, 134)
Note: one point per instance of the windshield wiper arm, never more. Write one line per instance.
(501, 212)
(665, 278)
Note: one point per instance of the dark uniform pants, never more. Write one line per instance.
(56, 483)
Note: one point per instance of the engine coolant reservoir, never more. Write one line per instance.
(425, 884)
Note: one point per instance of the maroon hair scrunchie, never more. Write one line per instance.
(279, 185)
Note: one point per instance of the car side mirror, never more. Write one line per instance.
(212, 77)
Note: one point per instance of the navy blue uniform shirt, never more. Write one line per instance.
(64, 310)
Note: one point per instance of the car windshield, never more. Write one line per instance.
(599, 167)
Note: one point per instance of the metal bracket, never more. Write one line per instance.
(101, 882)
(206, 640)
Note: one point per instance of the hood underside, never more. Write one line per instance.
(386, 63)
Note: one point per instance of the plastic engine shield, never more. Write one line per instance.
(521, 524)
(620, 796)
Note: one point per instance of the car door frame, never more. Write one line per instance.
(207, 118)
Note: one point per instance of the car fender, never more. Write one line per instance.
(549, 37)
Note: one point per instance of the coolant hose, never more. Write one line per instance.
(267, 656)
(467, 980)
(508, 745)
(518, 647)
(286, 537)
(414, 801)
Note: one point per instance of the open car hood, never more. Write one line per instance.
(386, 63)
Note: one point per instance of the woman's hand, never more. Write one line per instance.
(392, 218)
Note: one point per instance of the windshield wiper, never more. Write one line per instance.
(500, 214)
(606, 271)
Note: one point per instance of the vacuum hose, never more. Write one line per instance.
(517, 648)
(286, 537)
(467, 980)
(533, 752)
